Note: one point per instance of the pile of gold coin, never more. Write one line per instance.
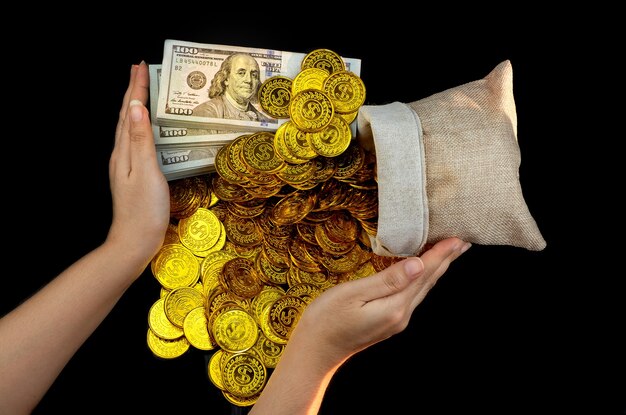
(287, 216)
(321, 102)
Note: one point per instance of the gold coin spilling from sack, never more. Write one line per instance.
(286, 216)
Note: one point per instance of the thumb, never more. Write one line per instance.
(392, 279)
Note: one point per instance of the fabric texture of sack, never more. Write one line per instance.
(458, 164)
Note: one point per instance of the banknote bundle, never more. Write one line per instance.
(203, 96)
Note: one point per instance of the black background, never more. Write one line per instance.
(504, 331)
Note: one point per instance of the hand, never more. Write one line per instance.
(140, 192)
(354, 315)
(346, 319)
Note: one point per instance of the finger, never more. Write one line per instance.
(140, 88)
(443, 253)
(138, 94)
(125, 101)
(392, 280)
(142, 148)
(120, 160)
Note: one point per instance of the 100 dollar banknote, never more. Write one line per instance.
(166, 137)
(177, 163)
(215, 87)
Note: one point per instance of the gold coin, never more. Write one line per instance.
(382, 262)
(241, 401)
(267, 330)
(199, 287)
(298, 142)
(249, 209)
(301, 256)
(280, 244)
(306, 231)
(308, 292)
(211, 198)
(331, 246)
(350, 117)
(223, 168)
(186, 195)
(306, 185)
(325, 168)
(279, 259)
(265, 191)
(281, 146)
(332, 140)
(196, 329)
(240, 277)
(263, 180)
(175, 266)
(244, 251)
(200, 231)
(160, 324)
(293, 208)
(365, 270)
(268, 272)
(166, 349)
(270, 228)
(274, 96)
(341, 227)
(229, 192)
(211, 267)
(244, 375)
(263, 300)
(214, 369)
(284, 315)
(179, 302)
(346, 91)
(335, 194)
(370, 227)
(171, 234)
(218, 298)
(298, 173)
(235, 330)
(268, 351)
(321, 279)
(243, 231)
(310, 78)
(234, 159)
(258, 153)
(182, 194)
(325, 59)
(350, 162)
(311, 110)
(218, 245)
(348, 262)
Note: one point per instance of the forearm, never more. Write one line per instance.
(38, 338)
(299, 382)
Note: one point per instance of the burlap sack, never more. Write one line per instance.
(448, 165)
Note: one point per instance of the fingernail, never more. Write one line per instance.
(136, 113)
(142, 62)
(466, 247)
(413, 266)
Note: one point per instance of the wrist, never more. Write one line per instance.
(136, 256)
(304, 340)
